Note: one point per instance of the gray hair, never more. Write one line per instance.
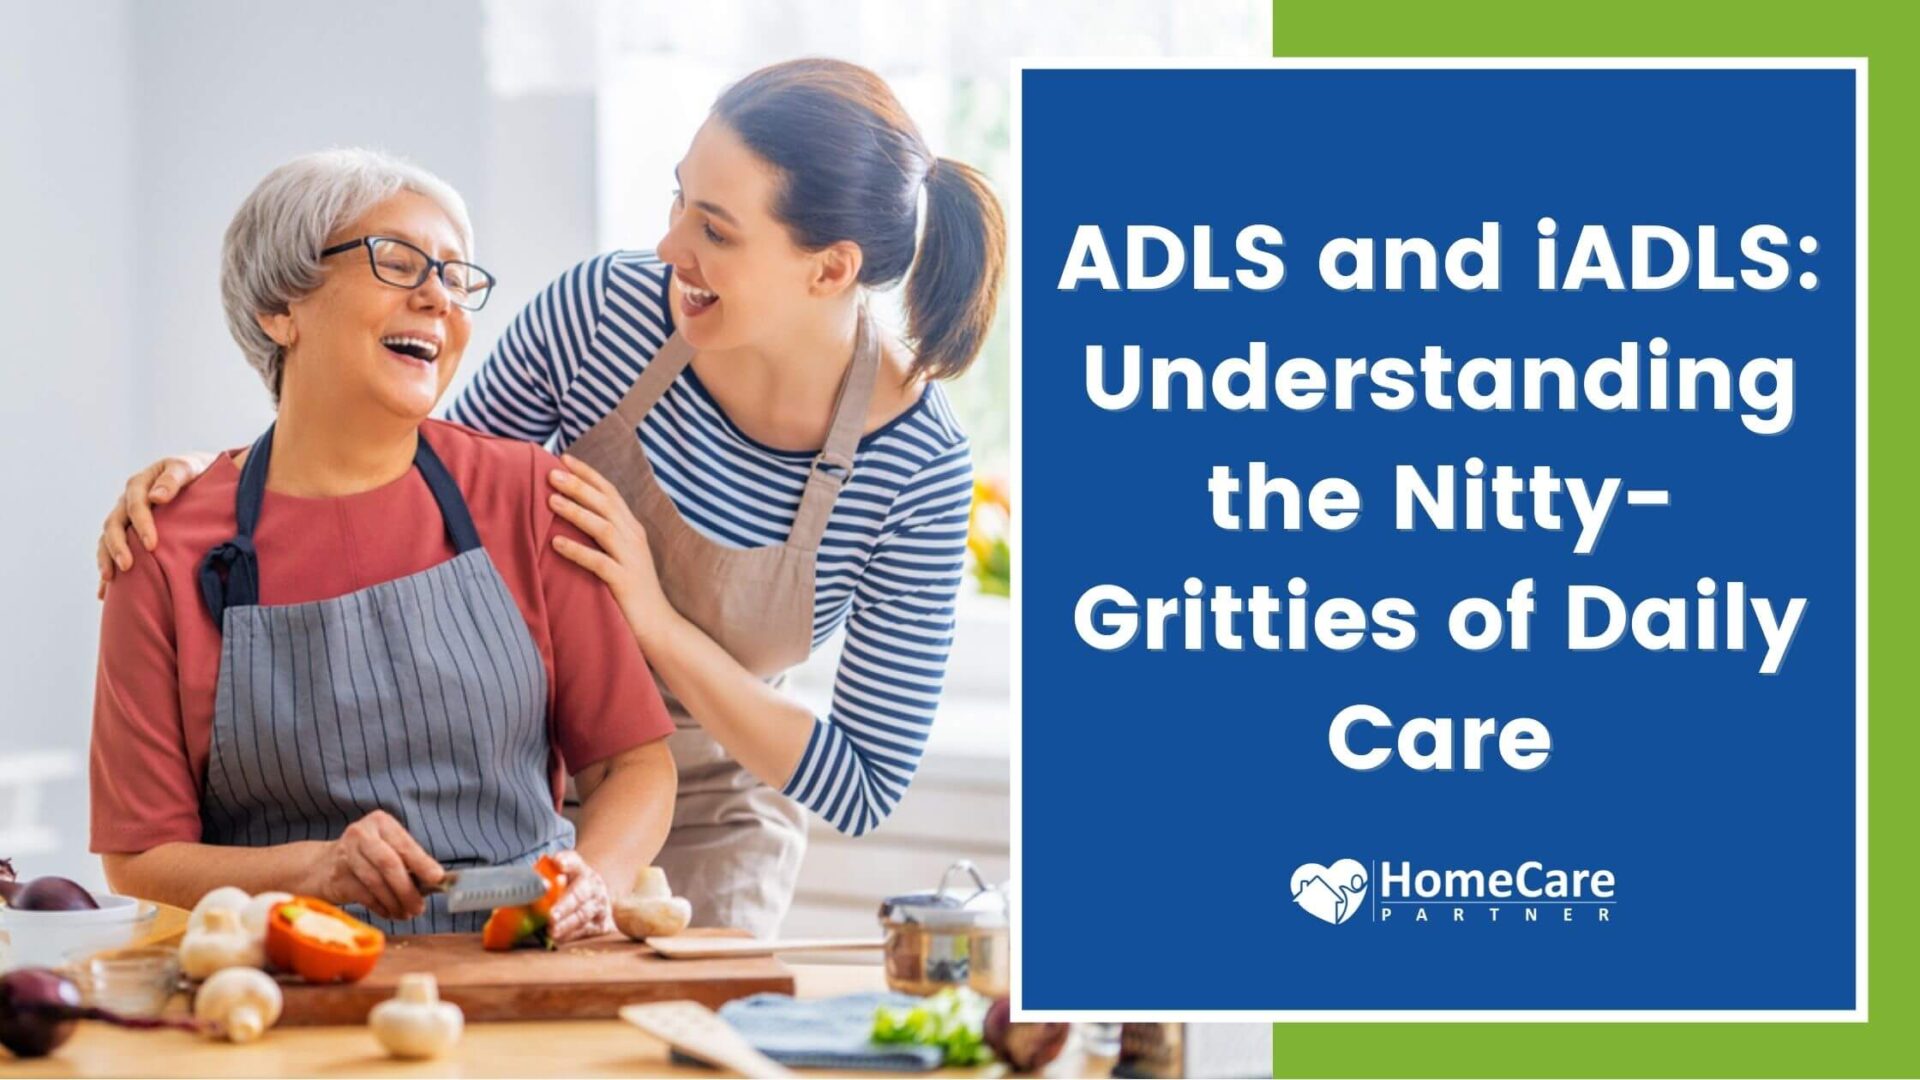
(271, 255)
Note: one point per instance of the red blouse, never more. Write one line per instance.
(160, 651)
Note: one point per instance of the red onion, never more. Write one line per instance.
(38, 1008)
(35, 1008)
(43, 893)
(1026, 1047)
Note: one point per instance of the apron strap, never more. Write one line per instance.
(833, 465)
(655, 378)
(453, 505)
(669, 360)
(230, 573)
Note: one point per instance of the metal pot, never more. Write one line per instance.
(947, 938)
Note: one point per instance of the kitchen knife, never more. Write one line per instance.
(483, 888)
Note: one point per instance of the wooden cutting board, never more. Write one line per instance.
(169, 923)
(584, 980)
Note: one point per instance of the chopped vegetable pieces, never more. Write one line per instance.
(953, 1019)
(526, 924)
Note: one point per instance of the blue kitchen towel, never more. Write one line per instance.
(826, 1033)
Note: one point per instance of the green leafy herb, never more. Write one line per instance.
(953, 1019)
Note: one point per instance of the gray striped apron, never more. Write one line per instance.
(736, 844)
(424, 696)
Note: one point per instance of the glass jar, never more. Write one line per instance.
(946, 938)
(131, 982)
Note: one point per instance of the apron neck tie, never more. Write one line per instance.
(230, 576)
(230, 572)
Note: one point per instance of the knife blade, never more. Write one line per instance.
(483, 888)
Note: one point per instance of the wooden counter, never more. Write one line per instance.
(525, 1048)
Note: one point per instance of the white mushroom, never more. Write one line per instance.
(415, 1023)
(650, 909)
(651, 884)
(642, 917)
(255, 914)
(218, 943)
(241, 1001)
(225, 898)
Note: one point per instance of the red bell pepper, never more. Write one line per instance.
(526, 924)
(334, 947)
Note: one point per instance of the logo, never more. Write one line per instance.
(1405, 892)
(1331, 894)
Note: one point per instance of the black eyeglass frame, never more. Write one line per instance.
(436, 267)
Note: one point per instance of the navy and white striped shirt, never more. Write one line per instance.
(889, 565)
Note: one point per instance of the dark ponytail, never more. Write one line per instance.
(852, 166)
(955, 284)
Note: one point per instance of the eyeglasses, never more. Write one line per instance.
(404, 266)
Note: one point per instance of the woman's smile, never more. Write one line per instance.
(694, 301)
(416, 349)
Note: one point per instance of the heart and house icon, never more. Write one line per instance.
(1331, 894)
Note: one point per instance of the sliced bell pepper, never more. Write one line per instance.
(526, 924)
(320, 943)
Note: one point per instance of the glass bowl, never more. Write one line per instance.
(131, 982)
(47, 938)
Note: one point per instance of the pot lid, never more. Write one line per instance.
(947, 908)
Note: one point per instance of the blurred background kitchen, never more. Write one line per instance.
(130, 131)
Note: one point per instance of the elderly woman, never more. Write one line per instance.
(357, 660)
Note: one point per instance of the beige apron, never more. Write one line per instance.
(736, 844)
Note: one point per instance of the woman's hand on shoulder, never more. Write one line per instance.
(155, 484)
(620, 554)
